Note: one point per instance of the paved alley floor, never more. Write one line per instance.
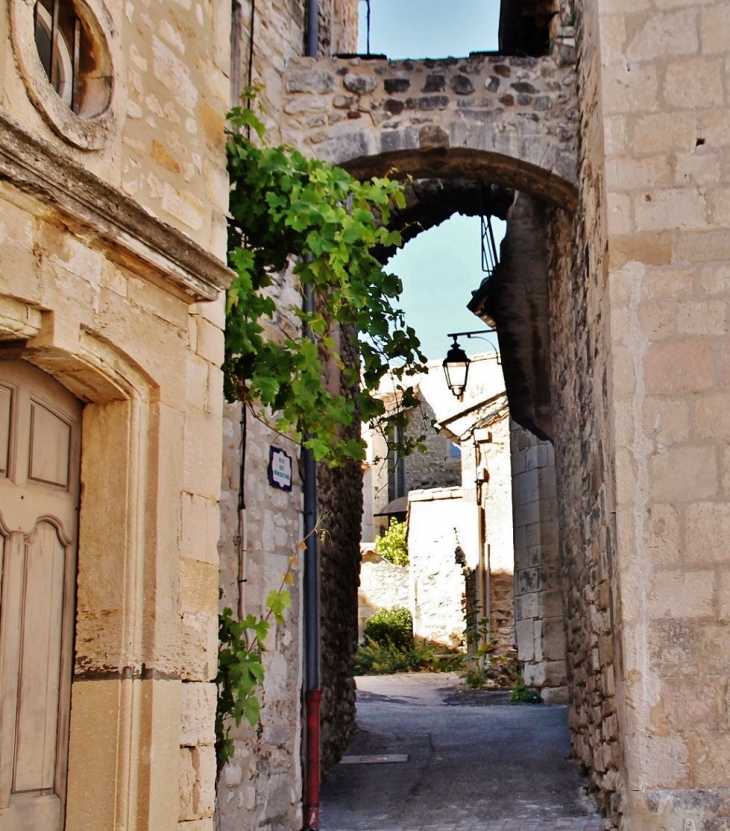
(475, 763)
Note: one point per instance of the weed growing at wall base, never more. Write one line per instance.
(391, 647)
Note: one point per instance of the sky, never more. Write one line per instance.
(441, 267)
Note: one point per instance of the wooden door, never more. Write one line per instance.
(40, 426)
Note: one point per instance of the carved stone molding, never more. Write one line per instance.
(113, 221)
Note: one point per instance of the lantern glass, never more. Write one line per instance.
(456, 369)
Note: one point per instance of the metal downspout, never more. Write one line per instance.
(312, 46)
(312, 691)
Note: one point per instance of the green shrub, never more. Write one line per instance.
(521, 694)
(385, 659)
(393, 545)
(390, 627)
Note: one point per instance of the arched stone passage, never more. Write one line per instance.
(451, 126)
(507, 120)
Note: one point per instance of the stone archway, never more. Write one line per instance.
(453, 127)
(512, 121)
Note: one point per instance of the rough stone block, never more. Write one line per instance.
(698, 478)
(660, 132)
(694, 83)
(667, 419)
(702, 246)
(662, 534)
(714, 28)
(670, 33)
(396, 85)
(685, 366)
(199, 646)
(708, 524)
(525, 637)
(553, 640)
(651, 249)
(630, 92)
(689, 705)
(187, 784)
(205, 777)
(670, 208)
(360, 84)
(683, 594)
(711, 769)
(197, 726)
(313, 80)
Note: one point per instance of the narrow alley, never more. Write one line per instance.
(474, 763)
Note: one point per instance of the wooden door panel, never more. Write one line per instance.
(39, 661)
(32, 813)
(40, 425)
(6, 401)
(50, 445)
(11, 612)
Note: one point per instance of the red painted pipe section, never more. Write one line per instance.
(312, 700)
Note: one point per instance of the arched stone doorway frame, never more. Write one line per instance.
(113, 716)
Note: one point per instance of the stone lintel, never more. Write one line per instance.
(117, 224)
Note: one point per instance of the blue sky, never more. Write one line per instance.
(441, 267)
(430, 28)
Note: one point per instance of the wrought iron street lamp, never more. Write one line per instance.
(456, 368)
(456, 363)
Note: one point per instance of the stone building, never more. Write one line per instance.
(455, 494)
(610, 120)
(261, 526)
(112, 220)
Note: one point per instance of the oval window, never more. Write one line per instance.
(73, 56)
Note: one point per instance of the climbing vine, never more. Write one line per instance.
(288, 211)
(242, 644)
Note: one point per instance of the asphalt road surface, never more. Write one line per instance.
(474, 763)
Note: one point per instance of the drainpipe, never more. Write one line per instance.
(312, 46)
(312, 691)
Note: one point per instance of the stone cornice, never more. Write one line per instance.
(119, 224)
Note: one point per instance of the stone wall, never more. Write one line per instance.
(261, 786)
(340, 505)
(580, 333)
(112, 265)
(437, 466)
(494, 457)
(439, 520)
(655, 104)
(383, 585)
(537, 586)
